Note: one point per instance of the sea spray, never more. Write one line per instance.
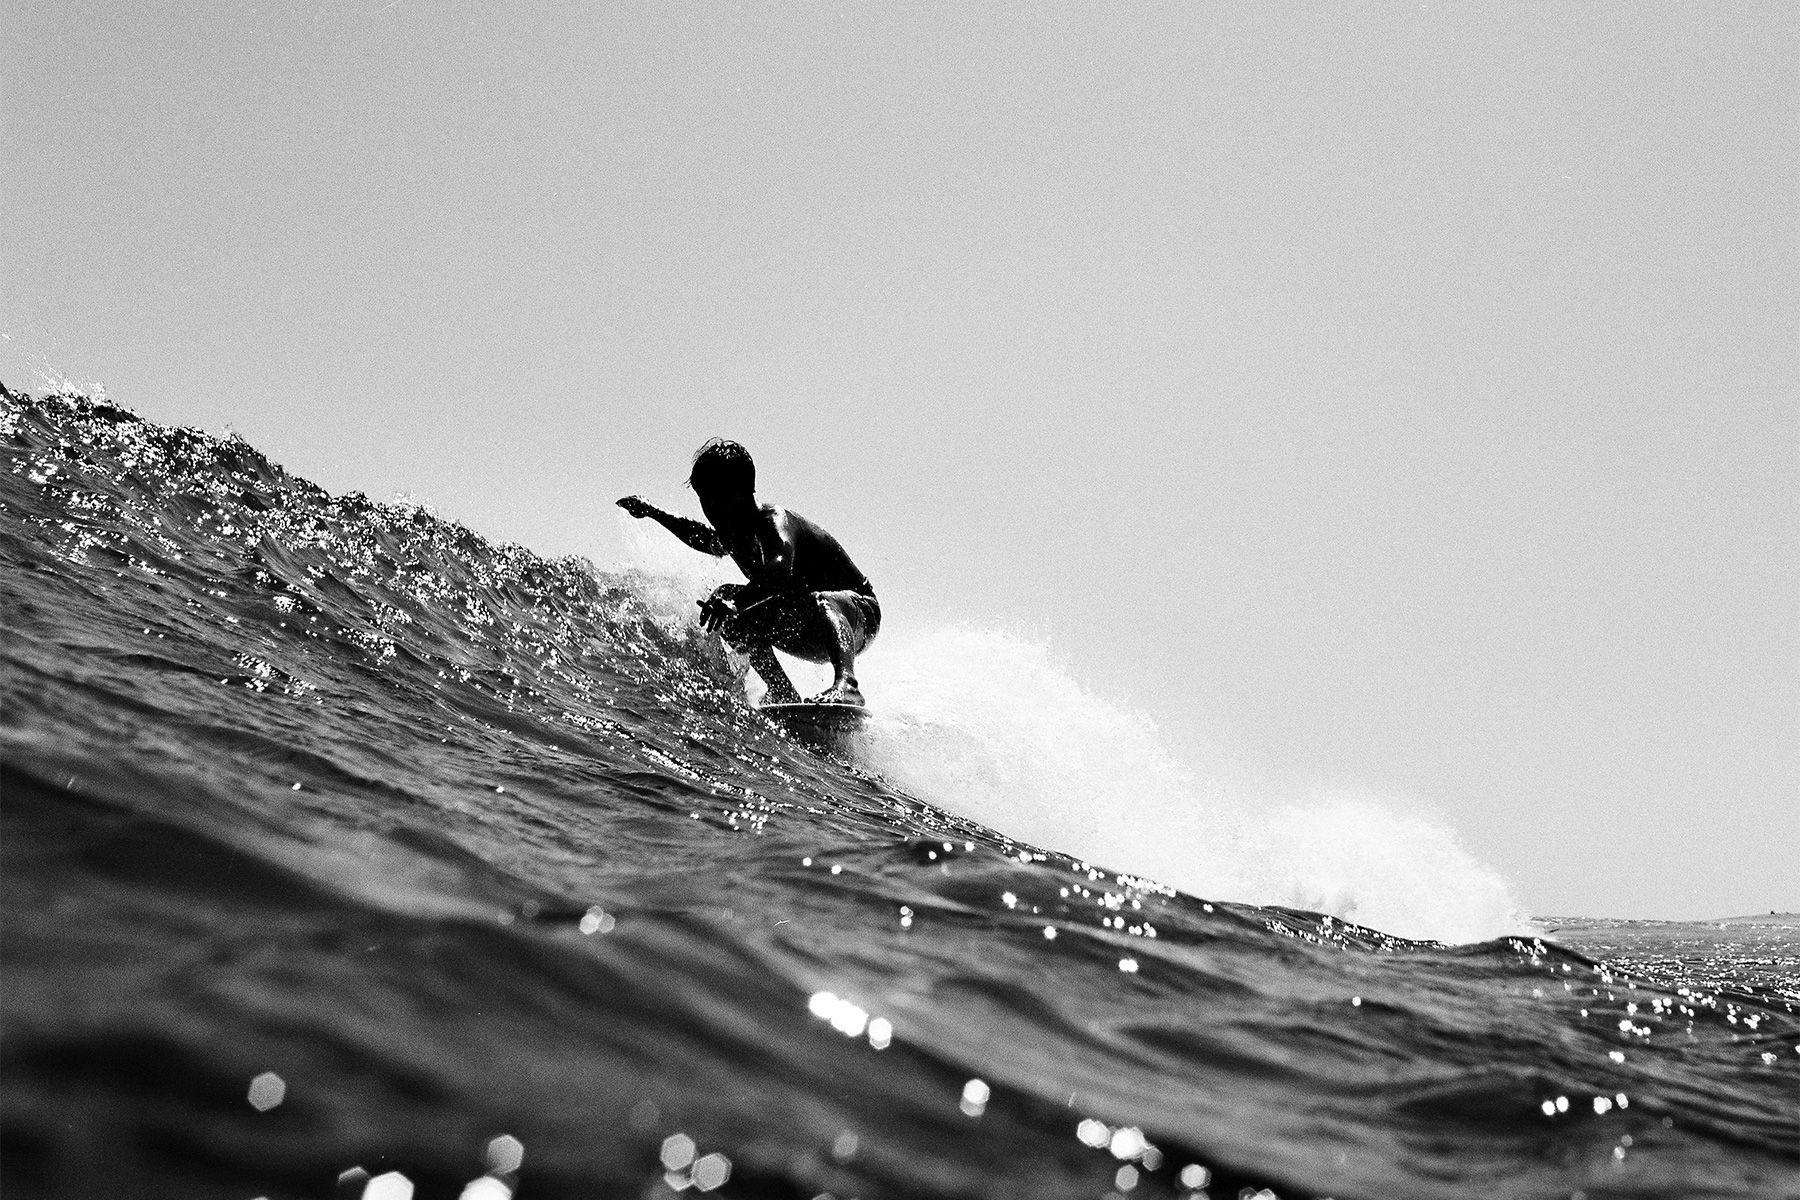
(668, 576)
(1367, 860)
(989, 725)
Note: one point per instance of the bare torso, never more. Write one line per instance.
(783, 551)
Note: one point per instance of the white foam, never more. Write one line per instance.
(990, 726)
(666, 575)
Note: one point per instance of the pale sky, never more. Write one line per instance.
(1400, 396)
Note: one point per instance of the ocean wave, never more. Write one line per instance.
(345, 848)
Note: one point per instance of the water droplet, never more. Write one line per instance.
(677, 1151)
(1127, 1142)
(391, 1186)
(711, 1172)
(505, 1154)
(266, 1091)
(1195, 1176)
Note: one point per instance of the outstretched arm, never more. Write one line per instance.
(693, 533)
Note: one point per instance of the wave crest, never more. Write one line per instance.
(991, 726)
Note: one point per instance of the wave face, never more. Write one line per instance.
(340, 843)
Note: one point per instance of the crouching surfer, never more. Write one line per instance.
(804, 595)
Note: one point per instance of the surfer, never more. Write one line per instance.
(804, 595)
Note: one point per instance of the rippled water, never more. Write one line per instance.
(347, 853)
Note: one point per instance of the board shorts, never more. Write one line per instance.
(792, 627)
(861, 610)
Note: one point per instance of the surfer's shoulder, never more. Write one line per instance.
(784, 520)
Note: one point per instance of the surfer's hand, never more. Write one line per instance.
(721, 606)
(637, 506)
(714, 612)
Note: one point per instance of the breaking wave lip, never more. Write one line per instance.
(1071, 771)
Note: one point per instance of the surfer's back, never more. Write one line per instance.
(821, 564)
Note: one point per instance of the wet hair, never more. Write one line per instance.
(722, 466)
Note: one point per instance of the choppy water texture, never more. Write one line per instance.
(340, 843)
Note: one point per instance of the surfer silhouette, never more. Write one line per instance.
(803, 596)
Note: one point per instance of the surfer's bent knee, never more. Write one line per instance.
(804, 628)
(860, 611)
(785, 624)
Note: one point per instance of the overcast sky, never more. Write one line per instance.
(1402, 396)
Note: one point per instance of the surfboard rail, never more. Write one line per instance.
(820, 726)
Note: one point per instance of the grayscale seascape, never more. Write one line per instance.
(348, 853)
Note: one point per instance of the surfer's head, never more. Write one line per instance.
(723, 468)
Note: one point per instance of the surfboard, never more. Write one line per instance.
(825, 726)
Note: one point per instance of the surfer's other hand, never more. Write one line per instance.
(637, 506)
(721, 606)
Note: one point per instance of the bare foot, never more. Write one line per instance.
(840, 693)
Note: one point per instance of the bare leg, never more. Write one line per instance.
(843, 689)
(768, 668)
(813, 627)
